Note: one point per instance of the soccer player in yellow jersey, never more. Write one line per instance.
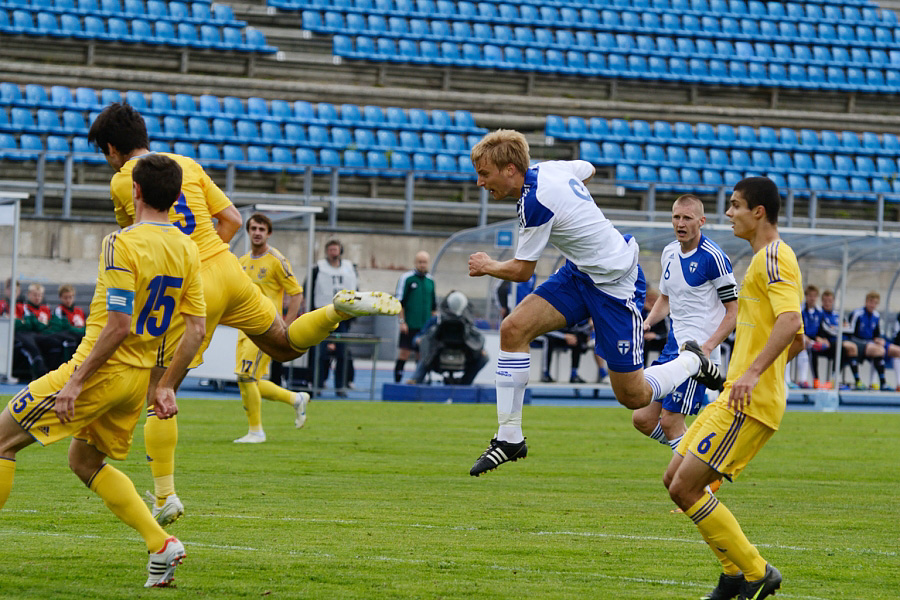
(271, 271)
(120, 133)
(148, 273)
(731, 430)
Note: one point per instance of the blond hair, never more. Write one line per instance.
(36, 287)
(503, 147)
(690, 199)
(64, 288)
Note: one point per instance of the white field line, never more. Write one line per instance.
(613, 536)
(544, 572)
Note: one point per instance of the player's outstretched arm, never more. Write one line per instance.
(516, 270)
(118, 324)
(164, 402)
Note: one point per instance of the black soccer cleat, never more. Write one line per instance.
(709, 374)
(728, 588)
(496, 454)
(763, 588)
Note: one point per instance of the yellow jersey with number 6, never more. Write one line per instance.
(192, 212)
(150, 271)
(771, 286)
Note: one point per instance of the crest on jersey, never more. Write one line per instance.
(677, 397)
(624, 346)
(262, 273)
(693, 266)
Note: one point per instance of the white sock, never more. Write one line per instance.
(658, 434)
(666, 377)
(675, 441)
(513, 369)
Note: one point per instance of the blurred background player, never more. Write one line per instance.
(205, 213)
(698, 291)
(272, 272)
(147, 273)
(415, 291)
(330, 275)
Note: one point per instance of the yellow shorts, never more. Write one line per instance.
(106, 411)
(250, 361)
(231, 299)
(725, 441)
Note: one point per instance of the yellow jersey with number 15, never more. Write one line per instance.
(150, 271)
(192, 212)
(771, 286)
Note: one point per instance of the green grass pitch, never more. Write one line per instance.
(374, 500)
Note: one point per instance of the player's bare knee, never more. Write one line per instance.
(512, 334)
(643, 422)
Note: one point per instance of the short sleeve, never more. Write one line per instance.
(118, 273)
(286, 278)
(123, 204)
(785, 284)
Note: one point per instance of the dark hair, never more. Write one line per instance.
(259, 218)
(761, 191)
(119, 125)
(159, 178)
(335, 242)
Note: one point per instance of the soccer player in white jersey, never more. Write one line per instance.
(697, 289)
(601, 279)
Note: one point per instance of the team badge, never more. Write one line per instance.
(262, 273)
(677, 397)
(693, 267)
(624, 347)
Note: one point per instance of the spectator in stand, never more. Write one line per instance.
(654, 338)
(575, 339)
(415, 291)
(32, 321)
(827, 336)
(67, 321)
(866, 340)
(4, 299)
(501, 294)
(812, 320)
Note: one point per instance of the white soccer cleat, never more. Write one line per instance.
(360, 304)
(171, 510)
(301, 399)
(252, 437)
(161, 566)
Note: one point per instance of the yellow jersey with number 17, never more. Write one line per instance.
(272, 272)
(150, 271)
(192, 212)
(771, 286)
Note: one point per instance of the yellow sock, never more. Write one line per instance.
(252, 401)
(309, 329)
(122, 499)
(7, 471)
(273, 392)
(160, 439)
(724, 535)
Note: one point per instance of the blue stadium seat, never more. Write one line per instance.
(173, 127)
(633, 153)
(760, 159)
(697, 156)
(711, 176)
(782, 161)
(223, 130)
(423, 162)
(185, 149)
(863, 165)
(718, 157)
(797, 182)
(22, 119)
(160, 102)
(185, 104)
(401, 160)
(590, 151)
(198, 128)
(73, 122)
(57, 148)
(788, 138)
(48, 121)
(803, 162)
(823, 162)
(611, 151)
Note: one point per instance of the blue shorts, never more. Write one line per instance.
(617, 323)
(689, 397)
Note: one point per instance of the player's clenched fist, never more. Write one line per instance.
(477, 263)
